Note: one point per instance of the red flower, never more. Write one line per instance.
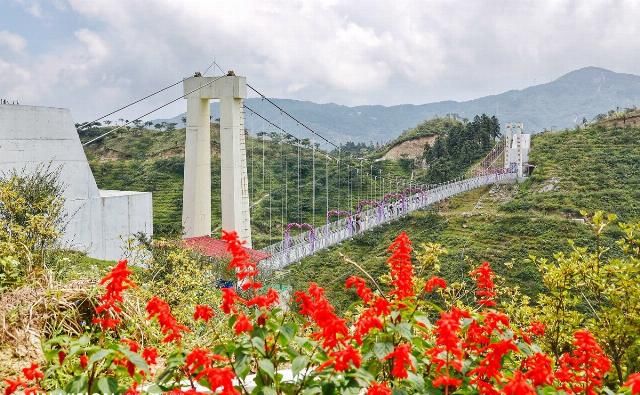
(535, 329)
(150, 355)
(61, 357)
(198, 358)
(518, 385)
(203, 312)
(539, 369)
(13, 385)
(315, 305)
(633, 383)
(447, 351)
(133, 390)
(242, 324)
(220, 380)
(360, 284)
(401, 267)
(447, 381)
(378, 389)
(485, 293)
(117, 281)
(33, 372)
(133, 345)
(401, 361)
(245, 269)
(84, 361)
(382, 306)
(367, 321)
(346, 357)
(435, 282)
(264, 301)
(490, 366)
(169, 326)
(229, 297)
(584, 369)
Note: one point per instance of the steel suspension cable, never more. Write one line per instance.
(283, 111)
(152, 111)
(130, 104)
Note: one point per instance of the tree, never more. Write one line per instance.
(594, 288)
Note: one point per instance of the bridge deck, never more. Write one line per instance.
(308, 243)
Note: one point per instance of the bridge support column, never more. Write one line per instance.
(196, 195)
(234, 191)
(233, 169)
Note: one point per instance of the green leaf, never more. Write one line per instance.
(154, 389)
(382, 349)
(107, 385)
(84, 340)
(404, 330)
(268, 391)
(258, 344)
(135, 359)
(78, 385)
(289, 330)
(267, 366)
(300, 362)
(98, 356)
(423, 319)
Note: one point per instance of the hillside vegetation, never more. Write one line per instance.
(281, 178)
(587, 169)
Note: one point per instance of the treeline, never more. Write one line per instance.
(460, 146)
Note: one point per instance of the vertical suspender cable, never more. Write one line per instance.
(313, 183)
(338, 168)
(326, 182)
(299, 215)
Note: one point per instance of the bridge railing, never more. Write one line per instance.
(295, 248)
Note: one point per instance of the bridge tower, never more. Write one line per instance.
(234, 191)
(516, 147)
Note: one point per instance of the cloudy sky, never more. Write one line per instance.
(94, 55)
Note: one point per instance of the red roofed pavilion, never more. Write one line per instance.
(216, 248)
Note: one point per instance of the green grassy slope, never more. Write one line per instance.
(591, 169)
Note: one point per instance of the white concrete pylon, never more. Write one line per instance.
(234, 191)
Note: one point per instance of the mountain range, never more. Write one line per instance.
(561, 103)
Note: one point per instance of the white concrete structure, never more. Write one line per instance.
(196, 198)
(100, 222)
(517, 145)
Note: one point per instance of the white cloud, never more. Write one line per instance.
(12, 41)
(350, 52)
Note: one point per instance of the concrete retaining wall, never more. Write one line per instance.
(100, 221)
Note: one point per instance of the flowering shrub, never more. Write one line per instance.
(397, 342)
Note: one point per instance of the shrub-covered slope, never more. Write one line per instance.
(588, 169)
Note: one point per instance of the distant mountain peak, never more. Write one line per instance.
(589, 72)
(561, 103)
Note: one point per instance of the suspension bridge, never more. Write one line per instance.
(505, 163)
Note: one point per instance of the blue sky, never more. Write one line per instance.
(93, 55)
